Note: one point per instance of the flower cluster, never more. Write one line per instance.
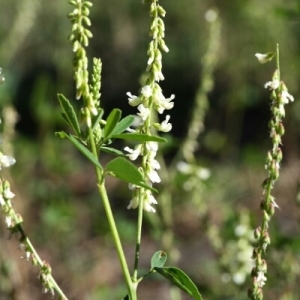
(45, 278)
(279, 97)
(6, 196)
(151, 100)
(14, 225)
(80, 39)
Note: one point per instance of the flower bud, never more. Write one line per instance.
(275, 75)
(263, 205)
(270, 209)
(254, 254)
(266, 238)
(259, 294)
(262, 266)
(279, 155)
(257, 232)
(280, 129)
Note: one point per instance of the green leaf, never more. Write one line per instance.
(127, 171)
(112, 151)
(123, 125)
(158, 259)
(97, 119)
(69, 113)
(111, 122)
(179, 278)
(138, 137)
(86, 152)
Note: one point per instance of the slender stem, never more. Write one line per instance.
(277, 61)
(138, 238)
(41, 264)
(25, 241)
(112, 224)
(117, 241)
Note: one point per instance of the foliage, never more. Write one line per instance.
(213, 199)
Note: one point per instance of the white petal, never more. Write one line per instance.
(148, 207)
(262, 58)
(8, 194)
(134, 203)
(133, 153)
(2, 202)
(6, 161)
(146, 91)
(133, 100)
(144, 112)
(272, 85)
(286, 97)
(153, 176)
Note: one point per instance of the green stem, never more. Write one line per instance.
(277, 61)
(25, 240)
(41, 264)
(138, 238)
(112, 225)
(117, 241)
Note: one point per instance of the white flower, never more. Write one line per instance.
(152, 146)
(133, 100)
(134, 203)
(184, 167)
(8, 221)
(240, 230)
(162, 103)
(286, 97)
(144, 111)
(27, 255)
(281, 111)
(165, 126)
(8, 194)
(149, 200)
(6, 161)
(273, 203)
(203, 173)
(264, 58)
(239, 277)
(211, 15)
(154, 164)
(158, 75)
(131, 186)
(272, 85)
(146, 91)
(2, 201)
(133, 153)
(261, 279)
(153, 176)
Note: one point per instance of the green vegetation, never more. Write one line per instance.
(212, 162)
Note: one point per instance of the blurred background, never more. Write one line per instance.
(213, 215)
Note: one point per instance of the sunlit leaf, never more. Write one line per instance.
(111, 122)
(139, 137)
(69, 113)
(158, 259)
(123, 125)
(112, 151)
(126, 171)
(85, 151)
(179, 278)
(96, 121)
